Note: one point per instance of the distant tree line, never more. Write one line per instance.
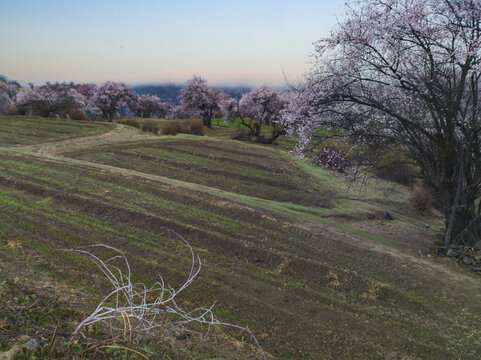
(259, 110)
(170, 92)
(77, 101)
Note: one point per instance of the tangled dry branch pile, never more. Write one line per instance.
(137, 311)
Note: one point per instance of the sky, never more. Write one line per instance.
(242, 42)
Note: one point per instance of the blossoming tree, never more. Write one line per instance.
(260, 107)
(198, 99)
(407, 72)
(49, 99)
(110, 97)
(7, 95)
(148, 106)
(87, 90)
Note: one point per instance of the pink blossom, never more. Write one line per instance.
(406, 72)
(149, 105)
(198, 99)
(110, 97)
(263, 106)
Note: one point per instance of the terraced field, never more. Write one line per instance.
(33, 130)
(246, 170)
(285, 251)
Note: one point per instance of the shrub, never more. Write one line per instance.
(12, 110)
(76, 114)
(422, 199)
(184, 127)
(129, 122)
(94, 117)
(393, 167)
(170, 128)
(63, 114)
(151, 126)
(197, 127)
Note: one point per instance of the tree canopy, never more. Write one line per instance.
(198, 99)
(406, 72)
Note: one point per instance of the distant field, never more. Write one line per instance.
(246, 170)
(34, 130)
(302, 280)
(235, 123)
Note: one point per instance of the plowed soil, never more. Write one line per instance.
(307, 287)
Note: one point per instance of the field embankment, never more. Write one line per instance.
(312, 267)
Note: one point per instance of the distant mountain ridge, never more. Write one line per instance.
(170, 92)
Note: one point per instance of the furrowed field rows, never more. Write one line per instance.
(132, 199)
(129, 198)
(320, 299)
(130, 194)
(241, 169)
(20, 130)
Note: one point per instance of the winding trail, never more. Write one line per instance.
(120, 134)
(117, 135)
(327, 238)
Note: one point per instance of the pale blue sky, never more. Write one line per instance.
(227, 42)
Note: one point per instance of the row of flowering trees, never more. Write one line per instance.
(260, 111)
(106, 100)
(8, 92)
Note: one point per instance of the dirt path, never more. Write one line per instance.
(119, 134)
(330, 242)
(417, 263)
(51, 152)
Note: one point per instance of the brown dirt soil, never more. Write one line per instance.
(308, 290)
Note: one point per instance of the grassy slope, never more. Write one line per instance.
(235, 168)
(20, 130)
(353, 287)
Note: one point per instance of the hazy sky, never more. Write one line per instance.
(227, 42)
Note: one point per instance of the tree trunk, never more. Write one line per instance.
(461, 226)
(106, 115)
(208, 122)
(452, 208)
(276, 132)
(459, 209)
(458, 203)
(258, 127)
